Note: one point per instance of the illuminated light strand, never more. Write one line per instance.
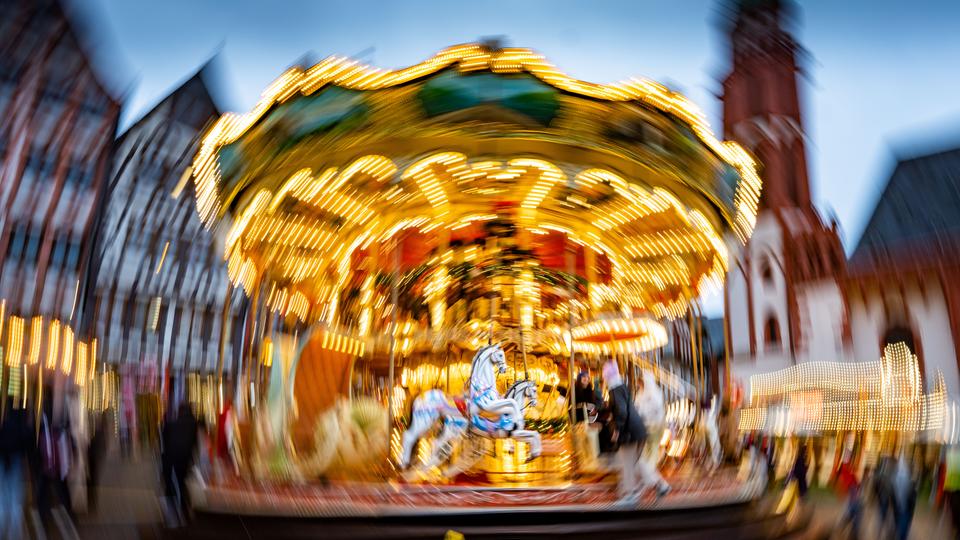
(602, 327)
(471, 57)
(285, 238)
(53, 344)
(549, 176)
(15, 342)
(881, 396)
(295, 184)
(423, 173)
(36, 336)
(66, 364)
(80, 374)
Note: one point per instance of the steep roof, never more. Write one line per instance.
(191, 103)
(918, 214)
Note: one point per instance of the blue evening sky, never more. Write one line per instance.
(884, 76)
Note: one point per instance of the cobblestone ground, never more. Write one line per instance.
(130, 504)
(827, 513)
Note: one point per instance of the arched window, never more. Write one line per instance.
(897, 334)
(766, 270)
(771, 332)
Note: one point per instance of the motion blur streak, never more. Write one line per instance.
(467, 294)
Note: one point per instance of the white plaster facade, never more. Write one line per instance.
(823, 306)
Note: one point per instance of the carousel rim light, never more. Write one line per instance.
(350, 74)
(252, 225)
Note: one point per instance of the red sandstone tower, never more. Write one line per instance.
(761, 110)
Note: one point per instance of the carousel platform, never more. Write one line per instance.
(234, 496)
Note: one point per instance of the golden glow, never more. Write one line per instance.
(53, 344)
(620, 336)
(80, 374)
(154, 315)
(15, 342)
(311, 251)
(66, 364)
(182, 183)
(833, 396)
(267, 352)
(36, 335)
(163, 256)
(349, 74)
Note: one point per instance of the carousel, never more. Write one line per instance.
(430, 255)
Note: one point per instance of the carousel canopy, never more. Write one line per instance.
(621, 188)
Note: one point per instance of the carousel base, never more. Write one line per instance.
(384, 500)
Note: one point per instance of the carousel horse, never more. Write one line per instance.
(434, 404)
(709, 428)
(482, 397)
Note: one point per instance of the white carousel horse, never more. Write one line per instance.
(483, 395)
(483, 398)
(434, 404)
(709, 428)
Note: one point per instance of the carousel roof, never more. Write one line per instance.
(336, 159)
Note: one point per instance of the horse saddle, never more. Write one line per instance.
(462, 405)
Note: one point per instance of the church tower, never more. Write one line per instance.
(783, 297)
(761, 102)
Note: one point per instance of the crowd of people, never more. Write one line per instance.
(885, 490)
(40, 461)
(52, 458)
(629, 423)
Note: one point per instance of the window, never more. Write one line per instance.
(38, 164)
(73, 255)
(79, 174)
(771, 332)
(16, 243)
(59, 249)
(766, 270)
(33, 247)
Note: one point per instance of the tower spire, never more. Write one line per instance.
(761, 102)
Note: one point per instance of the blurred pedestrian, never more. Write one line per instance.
(849, 486)
(178, 449)
(14, 445)
(951, 486)
(585, 397)
(799, 471)
(883, 490)
(224, 440)
(96, 452)
(630, 434)
(57, 450)
(652, 409)
(904, 497)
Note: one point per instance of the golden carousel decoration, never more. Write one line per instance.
(386, 224)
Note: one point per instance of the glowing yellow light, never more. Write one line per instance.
(163, 256)
(66, 364)
(53, 344)
(80, 374)
(267, 352)
(36, 335)
(15, 342)
(469, 57)
(182, 183)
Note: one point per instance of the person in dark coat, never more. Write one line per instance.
(799, 471)
(584, 396)
(630, 434)
(56, 453)
(96, 451)
(179, 445)
(15, 440)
